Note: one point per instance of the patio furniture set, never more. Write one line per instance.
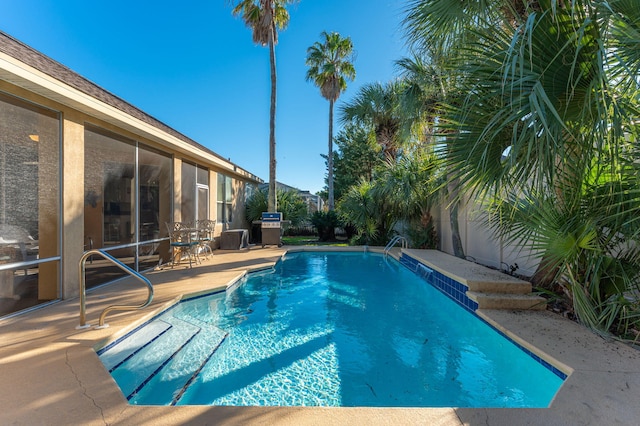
(189, 240)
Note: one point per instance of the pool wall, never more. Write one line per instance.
(456, 291)
(452, 288)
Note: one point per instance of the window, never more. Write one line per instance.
(195, 192)
(128, 199)
(203, 201)
(109, 164)
(154, 189)
(225, 198)
(109, 207)
(29, 204)
(155, 201)
(202, 192)
(188, 194)
(250, 189)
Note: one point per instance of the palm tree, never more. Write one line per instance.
(410, 185)
(550, 81)
(365, 207)
(265, 18)
(330, 65)
(425, 89)
(428, 85)
(438, 30)
(377, 106)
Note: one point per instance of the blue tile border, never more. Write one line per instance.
(453, 289)
(545, 363)
(457, 292)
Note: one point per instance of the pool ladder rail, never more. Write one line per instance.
(395, 240)
(83, 296)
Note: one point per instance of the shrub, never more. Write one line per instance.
(326, 224)
(423, 235)
(292, 206)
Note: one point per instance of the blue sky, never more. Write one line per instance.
(194, 66)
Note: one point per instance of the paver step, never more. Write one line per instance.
(489, 288)
(508, 301)
(505, 285)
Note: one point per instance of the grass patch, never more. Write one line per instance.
(307, 240)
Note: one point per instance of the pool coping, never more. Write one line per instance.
(52, 375)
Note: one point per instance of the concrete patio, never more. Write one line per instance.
(51, 374)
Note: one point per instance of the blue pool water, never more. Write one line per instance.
(327, 329)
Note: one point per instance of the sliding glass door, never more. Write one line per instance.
(29, 205)
(127, 201)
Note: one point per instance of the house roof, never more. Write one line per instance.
(285, 187)
(35, 59)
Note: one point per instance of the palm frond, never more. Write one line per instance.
(330, 63)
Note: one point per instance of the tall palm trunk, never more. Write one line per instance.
(458, 248)
(330, 159)
(453, 193)
(545, 273)
(272, 201)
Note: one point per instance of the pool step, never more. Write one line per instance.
(213, 348)
(121, 350)
(508, 301)
(132, 374)
(167, 384)
(502, 284)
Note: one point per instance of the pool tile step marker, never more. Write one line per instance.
(153, 375)
(167, 384)
(137, 370)
(123, 349)
(490, 289)
(453, 289)
(179, 394)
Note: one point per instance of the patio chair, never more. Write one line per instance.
(181, 242)
(205, 235)
(14, 240)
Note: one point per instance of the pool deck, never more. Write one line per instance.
(51, 374)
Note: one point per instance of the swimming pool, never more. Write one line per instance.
(327, 329)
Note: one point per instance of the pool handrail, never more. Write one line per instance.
(123, 267)
(393, 242)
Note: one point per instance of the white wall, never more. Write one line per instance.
(479, 242)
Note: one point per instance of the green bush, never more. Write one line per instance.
(292, 206)
(326, 224)
(423, 235)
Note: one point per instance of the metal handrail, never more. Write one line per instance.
(393, 242)
(122, 266)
